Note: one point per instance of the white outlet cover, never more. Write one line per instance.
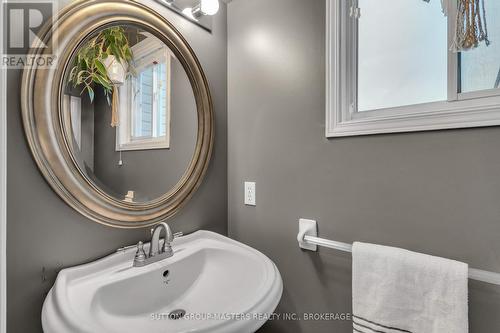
(249, 193)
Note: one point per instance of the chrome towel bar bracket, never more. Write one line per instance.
(308, 240)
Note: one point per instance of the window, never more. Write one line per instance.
(145, 99)
(480, 68)
(150, 104)
(390, 69)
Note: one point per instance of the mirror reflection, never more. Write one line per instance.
(133, 113)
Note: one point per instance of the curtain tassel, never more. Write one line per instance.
(471, 28)
(114, 107)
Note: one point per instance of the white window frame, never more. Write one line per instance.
(460, 110)
(144, 52)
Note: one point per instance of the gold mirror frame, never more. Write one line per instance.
(46, 124)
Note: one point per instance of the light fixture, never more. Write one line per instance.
(206, 7)
(188, 12)
(209, 7)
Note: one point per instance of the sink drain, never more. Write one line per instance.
(176, 314)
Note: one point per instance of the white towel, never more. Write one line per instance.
(396, 290)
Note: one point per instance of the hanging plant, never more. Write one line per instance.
(94, 60)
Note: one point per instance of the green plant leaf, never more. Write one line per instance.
(88, 69)
(91, 93)
(103, 82)
(100, 67)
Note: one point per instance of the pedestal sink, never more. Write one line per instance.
(210, 284)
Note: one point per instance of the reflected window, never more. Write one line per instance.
(145, 99)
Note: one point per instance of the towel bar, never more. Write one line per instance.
(308, 240)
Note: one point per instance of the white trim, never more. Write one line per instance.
(3, 189)
(477, 94)
(460, 111)
(75, 109)
(144, 144)
(333, 84)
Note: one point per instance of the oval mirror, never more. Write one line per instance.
(132, 111)
(122, 126)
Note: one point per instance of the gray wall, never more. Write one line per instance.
(87, 132)
(42, 231)
(150, 173)
(432, 192)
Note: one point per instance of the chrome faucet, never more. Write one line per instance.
(155, 252)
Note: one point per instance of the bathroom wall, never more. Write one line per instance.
(432, 192)
(148, 172)
(44, 234)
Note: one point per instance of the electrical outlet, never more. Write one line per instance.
(250, 193)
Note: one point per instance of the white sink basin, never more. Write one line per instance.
(222, 285)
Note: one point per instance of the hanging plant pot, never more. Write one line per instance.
(117, 75)
(115, 69)
(105, 60)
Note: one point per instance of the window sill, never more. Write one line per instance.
(143, 145)
(423, 117)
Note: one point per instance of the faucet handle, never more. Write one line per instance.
(167, 248)
(140, 255)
